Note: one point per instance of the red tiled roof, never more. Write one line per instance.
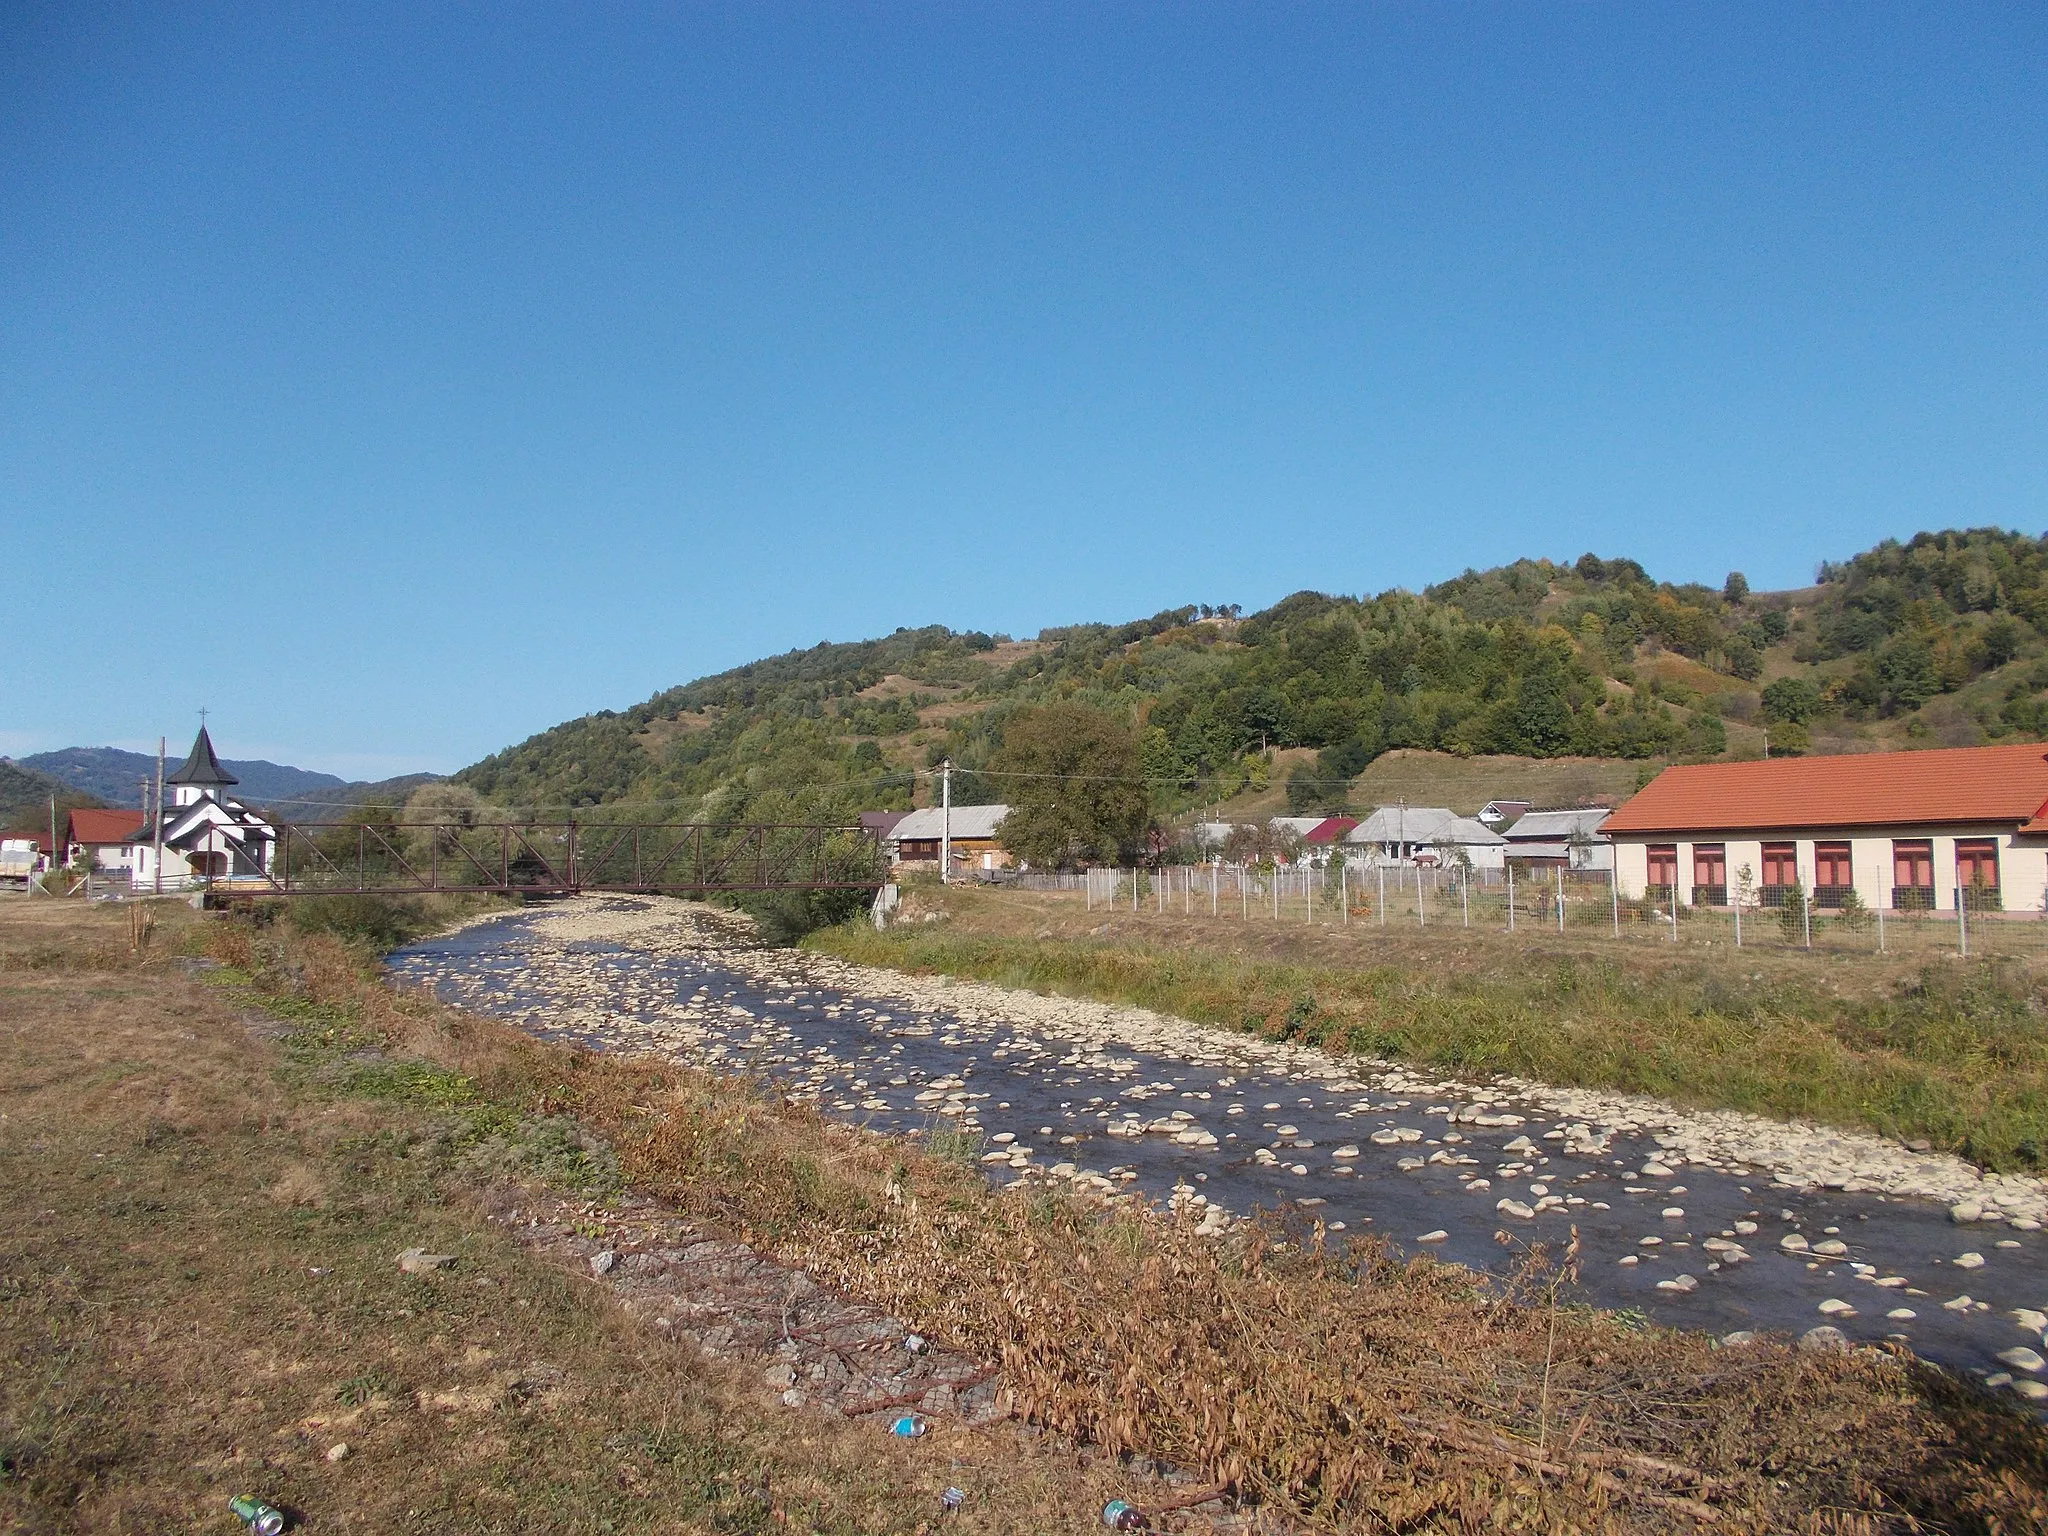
(1958, 784)
(1331, 830)
(104, 826)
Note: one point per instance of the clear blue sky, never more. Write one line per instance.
(400, 380)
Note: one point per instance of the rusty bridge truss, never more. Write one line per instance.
(562, 858)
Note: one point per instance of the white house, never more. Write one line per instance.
(206, 835)
(104, 838)
(1903, 830)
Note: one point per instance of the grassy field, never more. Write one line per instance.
(203, 1182)
(1944, 1050)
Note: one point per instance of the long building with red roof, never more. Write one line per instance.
(1902, 830)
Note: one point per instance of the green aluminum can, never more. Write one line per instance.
(261, 1518)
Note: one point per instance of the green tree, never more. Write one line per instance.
(1905, 671)
(1736, 588)
(1074, 784)
(1791, 700)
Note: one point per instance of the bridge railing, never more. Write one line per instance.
(392, 857)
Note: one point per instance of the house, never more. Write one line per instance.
(1396, 833)
(879, 824)
(1564, 839)
(1501, 814)
(914, 842)
(1903, 830)
(1426, 835)
(104, 838)
(1330, 830)
(206, 834)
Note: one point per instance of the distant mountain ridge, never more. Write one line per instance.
(115, 776)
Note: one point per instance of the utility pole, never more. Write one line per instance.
(946, 822)
(53, 834)
(157, 861)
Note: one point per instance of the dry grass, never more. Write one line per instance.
(1354, 1393)
(1956, 1052)
(198, 1297)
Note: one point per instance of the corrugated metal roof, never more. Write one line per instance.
(968, 821)
(1954, 784)
(1402, 824)
(1559, 825)
(1468, 832)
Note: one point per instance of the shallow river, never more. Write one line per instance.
(1421, 1165)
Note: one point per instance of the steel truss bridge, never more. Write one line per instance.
(562, 858)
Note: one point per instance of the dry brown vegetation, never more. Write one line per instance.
(1342, 1390)
(198, 1298)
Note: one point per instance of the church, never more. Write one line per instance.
(206, 834)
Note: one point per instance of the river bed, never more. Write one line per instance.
(1712, 1222)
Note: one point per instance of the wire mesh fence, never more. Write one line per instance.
(1553, 901)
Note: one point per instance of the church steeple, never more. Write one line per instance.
(201, 772)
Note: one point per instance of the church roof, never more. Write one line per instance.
(202, 767)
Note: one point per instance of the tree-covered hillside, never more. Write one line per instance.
(25, 801)
(1943, 640)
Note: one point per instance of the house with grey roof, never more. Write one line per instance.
(1426, 834)
(915, 841)
(1568, 839)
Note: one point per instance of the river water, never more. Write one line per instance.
(1418, 1161)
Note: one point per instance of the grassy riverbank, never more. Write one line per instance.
(196, 1237)
(204, 1180)
(1953, 1052)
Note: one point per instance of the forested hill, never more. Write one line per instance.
(1939, 641)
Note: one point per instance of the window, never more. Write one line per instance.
(1781, 874)
(1913, 874)
(1663, 866)
(1710, 874)
(1977, 872)
(1833, 879)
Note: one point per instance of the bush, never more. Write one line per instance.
(1853, 916)
(379, 923)
(1792, 915)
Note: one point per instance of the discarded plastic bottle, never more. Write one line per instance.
(1119, 1516)
(261, 1518)
(951, 1500)
(909, 1427)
